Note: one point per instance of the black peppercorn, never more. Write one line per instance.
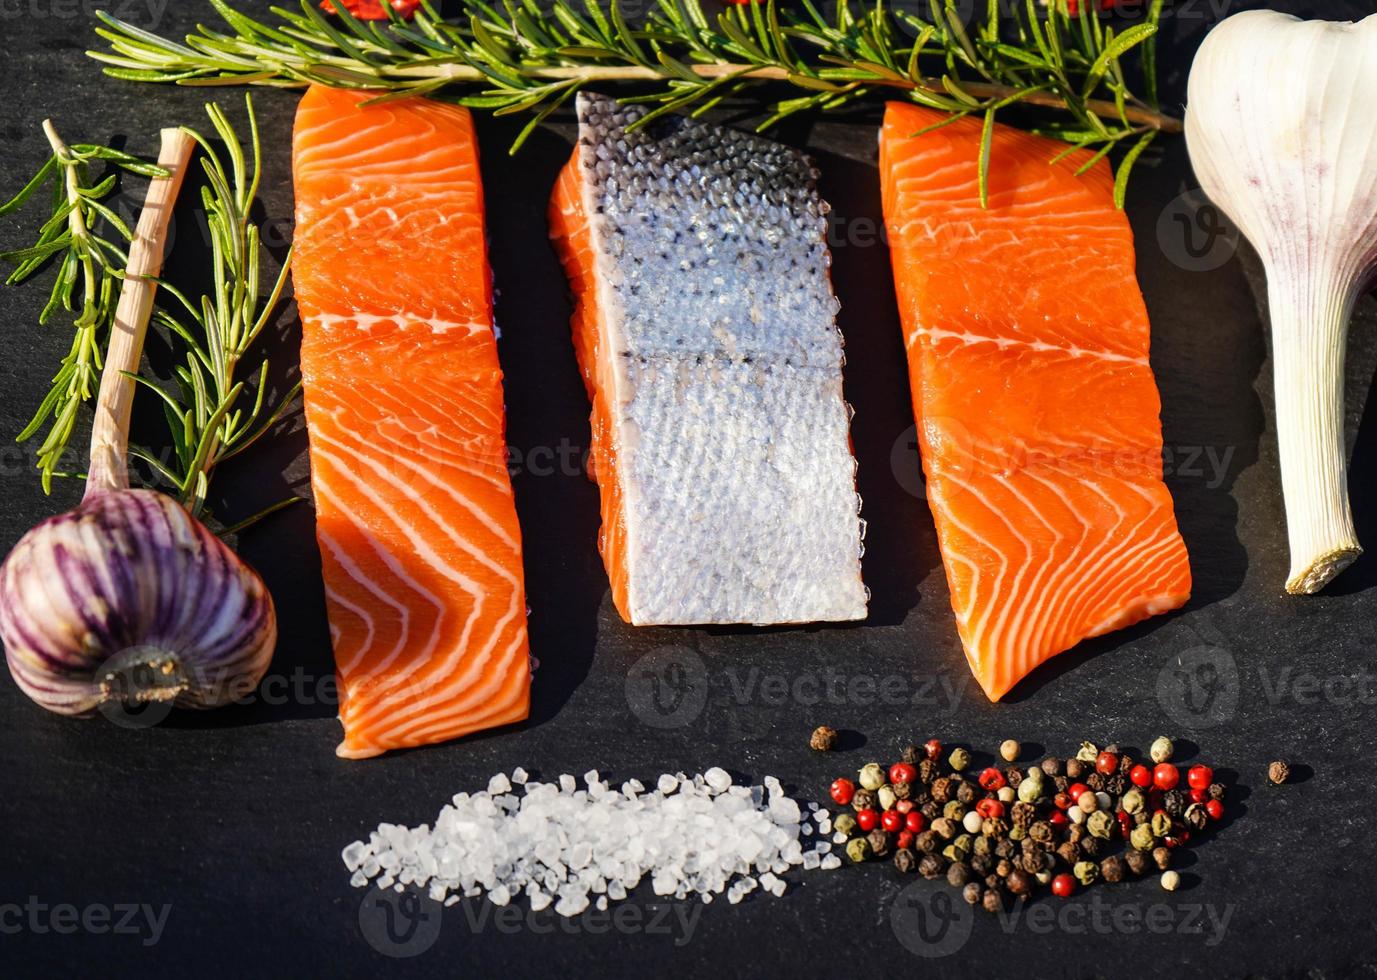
(927, 771)
(945, 828)
(958, 874)
(1112, 868)
(1040, 831)
(1051, 766)
(1137, 861)
(1075, 768)
(993, 882)
(1174, 802)
(1116, 785)
(1077, 833)
(1091, 845)
(1216, 791)
(931, 809)
(991, 901)
(1126, 764)
(1161, 857)
(1095, 781)
(982, 864)
(911, 754)
(973, 893)
(983, 846)
(1022, 814)
(879, 842)
(1061, 783)
(1278, 772)
(1005, 848)
(902, 791)
(824, 737)
(1034, 861)
(1196, 817)
(965, 793)
(905, 860)
(941, 789)
(926, 842)
(863, 799)
(931, 866)
(1003, 867)
(1019, 882)
(1068, 852)
(1013, 775)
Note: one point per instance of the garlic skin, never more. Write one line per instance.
(130, 599)
(1281, 124)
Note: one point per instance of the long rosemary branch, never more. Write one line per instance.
(533, 55)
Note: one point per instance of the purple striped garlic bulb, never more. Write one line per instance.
(130, 599)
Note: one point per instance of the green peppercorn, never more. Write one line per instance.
(858, 849)
(1112, 868)
(844, 823)
(1137, 861)
(973, 893)
(1030, 790)
(1161, 856)
(1133, 802)
(905, 860)
(1101, 824)
(886, 797)
(1086, 872)
(959, 759)
(1017, 833)
(1162, 750)
(872, 776)
(1087, 752)
(953, 811)
(879, 842)
(1161, 824)
(1143, 838)
(952, 852)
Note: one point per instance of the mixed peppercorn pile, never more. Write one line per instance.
(1100, 815)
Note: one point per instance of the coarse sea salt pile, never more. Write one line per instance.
(570, 846)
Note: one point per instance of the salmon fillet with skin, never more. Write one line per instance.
(705, 329)
(1038, 415)
(419, 542)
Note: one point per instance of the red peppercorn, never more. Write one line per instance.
(1140, 776)
(1200, 777)
(1062, 801)
(1063, 886)
(1215, 808)
(867, 819)
(891, 820)
(902, 773)
(933, 748)
(1107, 763)
(1199, 795)
(990, 808)
(843, 790)
(1076, 790)
(903, 806)
(904, 840)
(991, 779)
(1125, 825)
(1058, 817)
(1166, 776)
(915, 822)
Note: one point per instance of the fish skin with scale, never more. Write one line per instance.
(705, 329)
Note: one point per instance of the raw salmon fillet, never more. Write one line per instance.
(1038, 416)
(705, 328)
(414, 511)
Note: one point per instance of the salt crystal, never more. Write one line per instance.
(592, 777)
(667, 784)
(602, 904)
(499, 784)
(519, 776)
(567, 783)
(717, 779)
(830, 862)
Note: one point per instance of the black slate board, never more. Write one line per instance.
(233, 821)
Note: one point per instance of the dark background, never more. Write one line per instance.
(235, 819)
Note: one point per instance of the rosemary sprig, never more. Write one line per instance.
(80, 229)
(215, 415)
(532, 55)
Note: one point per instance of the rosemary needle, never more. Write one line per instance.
(533, 55)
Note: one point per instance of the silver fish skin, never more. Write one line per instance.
(719, 354)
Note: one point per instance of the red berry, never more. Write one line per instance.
(1166, 776)
(867, 819)
(905, 839)
(1107, 763)
(1058, 817)
(1140, 776)
(915, 822)
(990, 808)
(991, 779)
(902, 772)
(903, 806)
(933, 748)
(843, 790)
(1076, 790)
(1125, 825)
(891, 820)
(1215, 808)
(1063, 886)
(1062, 801)
(1200, 777)
(1199, 795)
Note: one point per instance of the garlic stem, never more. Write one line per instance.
(109, 467)
(1310, 317)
